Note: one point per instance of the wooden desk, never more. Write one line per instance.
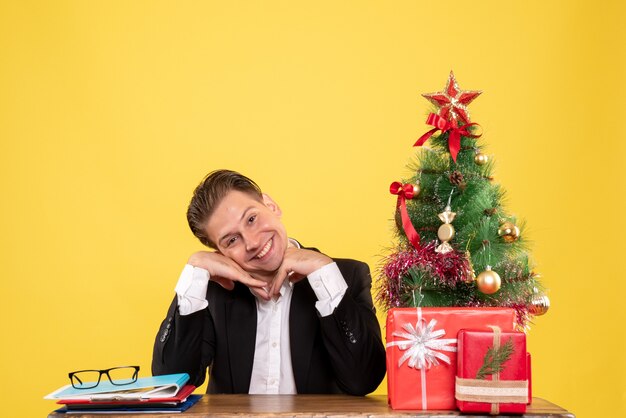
(315, 406)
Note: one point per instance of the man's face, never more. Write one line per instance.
(249, 232)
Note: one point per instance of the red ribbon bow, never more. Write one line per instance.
(444, 125)
(406, 191)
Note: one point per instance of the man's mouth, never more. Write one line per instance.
(265, 249)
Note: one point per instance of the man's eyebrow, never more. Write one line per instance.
(243, 215)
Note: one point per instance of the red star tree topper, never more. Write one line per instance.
(452, 101)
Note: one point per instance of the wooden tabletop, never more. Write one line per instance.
(316, 406)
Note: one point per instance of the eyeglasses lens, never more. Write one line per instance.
(123, 375)
(85, 379)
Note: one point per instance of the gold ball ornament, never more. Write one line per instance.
(539, 303)
(416, 190)
(508, 231)
(481, 159)
(488, 282)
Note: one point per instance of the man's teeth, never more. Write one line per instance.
(265, 249)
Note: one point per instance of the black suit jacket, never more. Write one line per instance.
(339, 353)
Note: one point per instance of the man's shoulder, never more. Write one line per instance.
(342, 263)
(349, 262)
(351, 269)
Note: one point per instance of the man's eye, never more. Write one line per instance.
(251, 219)
(231, 241)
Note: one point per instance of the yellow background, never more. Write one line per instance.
(112, 112)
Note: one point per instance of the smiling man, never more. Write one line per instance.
(264, 314)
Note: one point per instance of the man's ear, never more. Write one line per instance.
(273, 206)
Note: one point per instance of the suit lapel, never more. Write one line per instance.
(241, 316)
(303, 327)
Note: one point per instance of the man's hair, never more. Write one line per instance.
(210, 193)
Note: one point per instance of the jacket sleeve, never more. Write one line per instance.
(352, 335)
(184, 344)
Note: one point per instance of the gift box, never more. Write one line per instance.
(421, 352)
(492, 372)
(530, 379)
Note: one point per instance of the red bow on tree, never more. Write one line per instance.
(443, 125)
(406, 191)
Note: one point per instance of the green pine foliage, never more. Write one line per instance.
(479, 205)
(495, 358)
(420, 288)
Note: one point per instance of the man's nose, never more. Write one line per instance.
(252, 240)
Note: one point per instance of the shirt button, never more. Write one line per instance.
(317, 284)
(274, 344)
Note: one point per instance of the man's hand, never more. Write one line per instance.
(225, 271)
(297, 264)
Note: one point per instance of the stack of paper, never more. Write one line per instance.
(156, 394)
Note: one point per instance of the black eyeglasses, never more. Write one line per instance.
(119, 376)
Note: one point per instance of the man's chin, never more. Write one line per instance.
(265, 268)
(269, 266)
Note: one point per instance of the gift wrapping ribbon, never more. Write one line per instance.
(406, 191)
(495, 406)
(503, 391)
(443, 125)
(422, 346)
(493, 391)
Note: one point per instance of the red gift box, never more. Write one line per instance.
(492, 372)
(530, 379)
(421, 352)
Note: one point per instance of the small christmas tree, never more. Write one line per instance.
(456, 245)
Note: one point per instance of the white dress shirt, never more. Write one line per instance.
(272, 371)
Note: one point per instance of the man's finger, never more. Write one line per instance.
(261, 292)
(225, 283)
(296, 277)
(236, 273)
(277, 283)
(233, 272)
(251, 281)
